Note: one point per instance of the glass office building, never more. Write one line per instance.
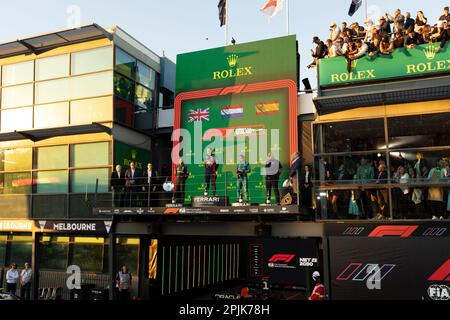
(74, 103)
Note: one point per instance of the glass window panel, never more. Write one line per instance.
(54, 256)
(90, 154)
(428, 160)
(350, 136)
(17, 96)
(52, 91)
(20, 253)
(352, 203)
(15, 159)
(144, 99)
(91, 110)
(92, 60)
(18, 73)
(51, 115)
(123, 88)
(52, 67)
(125, 63)
(84, 180)
(21, 238)
(90, 240)
(89, 256)
(52, 157)
(52, 181)
(92, 85)
(124, 112)
(427, 130)
(349, 169)
(17, 119)
(145, 75)
(49, 206)
(2, 253)
(16, 183)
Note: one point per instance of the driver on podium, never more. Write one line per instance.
(242, 171)
(211, 167)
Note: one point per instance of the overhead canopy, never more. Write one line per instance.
(43, 43)
(407, 91)
(42, 134)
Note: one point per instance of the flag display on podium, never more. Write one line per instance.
(233, 93)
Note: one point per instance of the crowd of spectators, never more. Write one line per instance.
(391, 32)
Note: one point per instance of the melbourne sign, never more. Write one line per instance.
(85, 227)
(421, 60)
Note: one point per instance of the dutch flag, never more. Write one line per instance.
(230, 112)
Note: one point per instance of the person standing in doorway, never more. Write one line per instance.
(12, 277)
(25, 282)
(123, 283)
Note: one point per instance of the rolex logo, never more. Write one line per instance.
(232, 60)
(133, 154)
(430, 52)
(354, 64)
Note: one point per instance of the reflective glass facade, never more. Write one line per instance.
(58, 90)
(392, 167)
(135, 91)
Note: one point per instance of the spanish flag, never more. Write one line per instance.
(268, 107)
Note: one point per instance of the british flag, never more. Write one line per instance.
(199, 115)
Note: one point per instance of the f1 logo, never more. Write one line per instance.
(401, 231)
(441, 274)
(282, 258)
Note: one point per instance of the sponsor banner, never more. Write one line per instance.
(124, 154)
(235, 92)
(84, 227)
(389, 268)
(403, 62)
(16, 225)
(283, 261)
(208, 201)
(220, 210)
(392, 229)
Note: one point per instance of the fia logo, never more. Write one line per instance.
(439, 292)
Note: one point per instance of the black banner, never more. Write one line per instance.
(284, 261)
(389, 268)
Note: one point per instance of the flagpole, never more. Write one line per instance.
(226, 22)
(287, 17)
(365, 7)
